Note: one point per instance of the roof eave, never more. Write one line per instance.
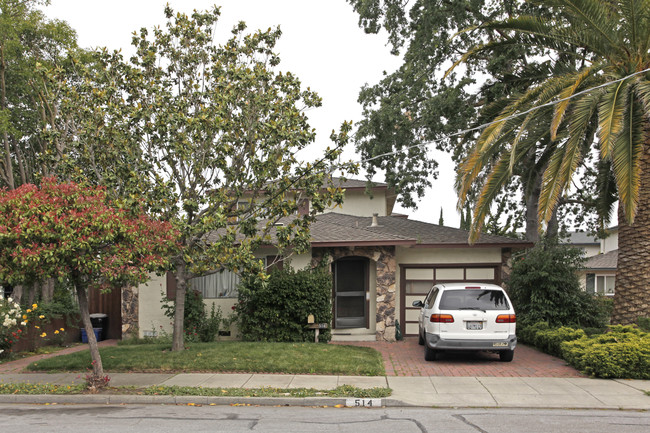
(362, 243)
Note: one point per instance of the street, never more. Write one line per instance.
(168, 418)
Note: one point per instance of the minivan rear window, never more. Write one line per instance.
(474, 300)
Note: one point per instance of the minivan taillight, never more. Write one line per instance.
(442, 318)
(506, 318)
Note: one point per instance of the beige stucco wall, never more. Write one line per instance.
(358, 203)
(151, 316)
(610, 243)
(591, 250)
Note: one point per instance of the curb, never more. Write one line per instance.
(177, 400)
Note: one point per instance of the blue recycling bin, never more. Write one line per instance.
(84, 336)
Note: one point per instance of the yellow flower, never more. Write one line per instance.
(44, 334)
(34, 306)
(56, 332)
(41, 317)
(62, 329)
(24, 316)
(29, 311)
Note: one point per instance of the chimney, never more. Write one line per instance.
(374, 220)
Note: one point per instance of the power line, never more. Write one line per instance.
(485, 125)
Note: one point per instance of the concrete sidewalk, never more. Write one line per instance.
(432, 391)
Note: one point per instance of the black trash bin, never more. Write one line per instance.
(100, 320)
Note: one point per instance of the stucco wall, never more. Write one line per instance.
(151, 316)
(358, 203)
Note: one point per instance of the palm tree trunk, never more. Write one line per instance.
(631, 299)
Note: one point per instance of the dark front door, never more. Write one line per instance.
(350, 289)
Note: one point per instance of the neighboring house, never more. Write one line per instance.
(599, 274)
(380, 265)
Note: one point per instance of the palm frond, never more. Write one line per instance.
(611, 112)
(498, 177)
(561, 107)
(595, 15)
(606, 191)
(626, 159)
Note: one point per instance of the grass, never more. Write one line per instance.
(227, 356)
(341, 391)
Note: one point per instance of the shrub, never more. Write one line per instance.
(11, 317)
(277, 309)
(623, 352)
(550, 340)
(197, 325)
(544, 287)
(644, 323)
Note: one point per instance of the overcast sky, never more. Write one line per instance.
(321, 43)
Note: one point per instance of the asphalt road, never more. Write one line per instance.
(166, 418)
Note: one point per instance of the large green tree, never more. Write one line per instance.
(28, 43)
(611, 41)
(207, 135)
(414, 109)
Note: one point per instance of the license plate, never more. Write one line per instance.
(474, 326)
(504, 344)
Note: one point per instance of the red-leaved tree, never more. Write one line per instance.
(75, 233)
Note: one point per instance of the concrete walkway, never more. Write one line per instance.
(433, 391)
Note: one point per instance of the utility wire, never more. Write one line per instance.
(485, 125)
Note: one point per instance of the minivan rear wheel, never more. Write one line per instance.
(429, 354)
(420, 339)
(506, 355)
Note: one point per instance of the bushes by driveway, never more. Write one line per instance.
(621, 352)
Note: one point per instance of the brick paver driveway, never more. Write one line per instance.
(406, 358)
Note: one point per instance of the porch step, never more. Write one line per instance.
(354, 337)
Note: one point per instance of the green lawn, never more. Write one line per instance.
(227, 356)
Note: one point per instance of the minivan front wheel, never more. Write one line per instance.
(429, 354)
(506, 355)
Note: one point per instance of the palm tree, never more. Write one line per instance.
(604, 42)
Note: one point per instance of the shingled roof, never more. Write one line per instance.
(603, 261)
(333, 229)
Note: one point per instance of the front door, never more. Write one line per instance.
(350, 292)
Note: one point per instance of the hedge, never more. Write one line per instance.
(621, 352)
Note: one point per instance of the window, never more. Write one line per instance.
(486, 300)
(220, 284)
(600, 284)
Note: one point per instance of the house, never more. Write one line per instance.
(381, 262)
(599, 273)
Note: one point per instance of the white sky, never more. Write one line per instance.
(321, 43)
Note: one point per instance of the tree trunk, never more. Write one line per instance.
(47, 290)
(98, 369)
(178, 336)
(532, 193)
(633, 271)
(9, 171)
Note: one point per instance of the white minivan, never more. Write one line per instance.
(467, 316)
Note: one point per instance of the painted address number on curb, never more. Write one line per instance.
(363, 402)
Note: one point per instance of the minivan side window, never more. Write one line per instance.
(431, 298)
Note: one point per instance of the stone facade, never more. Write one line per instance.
(384, 257)
(130, 312)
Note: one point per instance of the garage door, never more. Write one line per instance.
(416, 280)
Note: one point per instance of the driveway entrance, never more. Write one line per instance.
(406, 358)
